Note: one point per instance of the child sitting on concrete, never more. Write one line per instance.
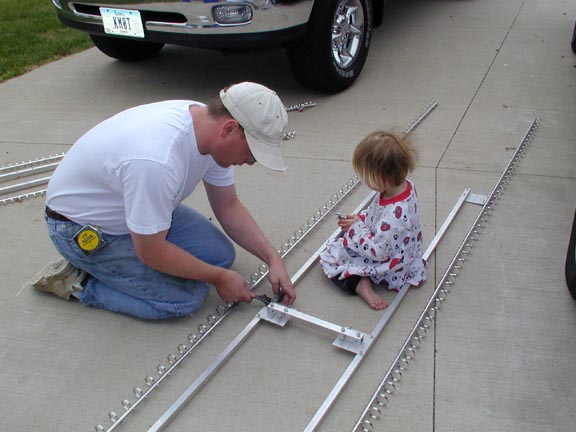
(382, 244)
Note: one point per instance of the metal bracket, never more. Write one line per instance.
(273, 316)
(354, 345)
(348, 338)
(476, 199)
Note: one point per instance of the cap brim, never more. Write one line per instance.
(266, 154)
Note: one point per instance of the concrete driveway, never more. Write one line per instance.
(500, 354)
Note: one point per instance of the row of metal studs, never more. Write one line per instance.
(32, 162)
(23, 197)
(420, 330)
(8, 171)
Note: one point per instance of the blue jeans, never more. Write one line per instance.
(120, 282)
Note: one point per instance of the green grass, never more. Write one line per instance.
(31, 35)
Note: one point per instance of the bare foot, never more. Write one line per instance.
(366, 292)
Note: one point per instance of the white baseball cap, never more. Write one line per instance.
(261, 113)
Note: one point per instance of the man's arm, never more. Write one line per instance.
(157, 252)
(243, 229)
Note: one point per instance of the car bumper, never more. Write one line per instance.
(192, 22)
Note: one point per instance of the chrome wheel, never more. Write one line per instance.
(332, 53)
(347, 32)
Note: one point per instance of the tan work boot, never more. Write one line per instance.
(60, 278)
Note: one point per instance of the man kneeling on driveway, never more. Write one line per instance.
(114, 205)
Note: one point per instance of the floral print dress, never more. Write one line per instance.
(385, 244)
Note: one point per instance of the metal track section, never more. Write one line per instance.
(28, 171)
(142, 393)
(19, 170)
(420, 329)
(23, 197)
(20, 166)
(25, 185)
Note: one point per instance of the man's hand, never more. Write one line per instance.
(280, 280)
(232, 288)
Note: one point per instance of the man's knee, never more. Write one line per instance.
(198, 294)
(228, 256)
(166, 310)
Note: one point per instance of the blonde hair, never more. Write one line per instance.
(382, 158)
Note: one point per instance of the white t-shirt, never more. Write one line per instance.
(131, 171)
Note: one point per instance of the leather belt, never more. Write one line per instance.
(56, 216)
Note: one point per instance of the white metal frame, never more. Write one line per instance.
(348, 339)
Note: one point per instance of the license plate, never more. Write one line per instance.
(122, 22)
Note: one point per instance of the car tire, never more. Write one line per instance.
(313, 61)
(574, 40)
(126, 49)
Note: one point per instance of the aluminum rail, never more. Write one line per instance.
(30, 163)
(388, 312)
(28, 171)
(22, 186)
(419, 330)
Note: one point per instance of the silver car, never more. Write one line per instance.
(327, 41)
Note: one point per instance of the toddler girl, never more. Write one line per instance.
(382, 244)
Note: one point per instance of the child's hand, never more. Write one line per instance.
(345, 222)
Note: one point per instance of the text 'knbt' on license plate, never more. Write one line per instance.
(122, 22)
